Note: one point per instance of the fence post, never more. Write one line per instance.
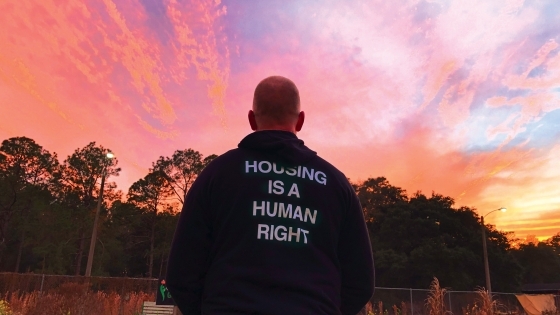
(42, 281)
(449, 296)
(411, 305)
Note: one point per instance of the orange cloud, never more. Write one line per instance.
(434, 97)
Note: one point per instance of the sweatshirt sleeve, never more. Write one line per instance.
(356, 260)
(189, 251)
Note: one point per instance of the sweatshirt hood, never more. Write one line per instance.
(282, 144)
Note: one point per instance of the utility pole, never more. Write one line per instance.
(486, 265)
(485, 249)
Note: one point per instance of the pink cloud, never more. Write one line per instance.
(391, 89)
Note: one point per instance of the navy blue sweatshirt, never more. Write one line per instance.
(271, 228)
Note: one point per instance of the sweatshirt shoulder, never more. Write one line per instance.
(226, 159)
(341, 179)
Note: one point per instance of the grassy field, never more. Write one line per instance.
(79, 299)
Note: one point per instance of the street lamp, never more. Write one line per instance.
(93, 240)
(486, 267)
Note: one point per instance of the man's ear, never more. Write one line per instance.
(252, 120)
(300, 120)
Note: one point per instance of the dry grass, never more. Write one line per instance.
(484, 305)
(79, 299)
(395, 310)
(404, 308)
(435, 303)
(75, 299)
(5, 308)
(488, 306)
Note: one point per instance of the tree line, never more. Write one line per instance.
(47, 210)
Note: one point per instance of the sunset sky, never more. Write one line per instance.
(457, 97)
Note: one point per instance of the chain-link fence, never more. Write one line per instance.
(25, 283)
(385, 301)
(405, 301)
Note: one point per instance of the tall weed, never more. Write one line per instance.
(484, 305)
(435, 303)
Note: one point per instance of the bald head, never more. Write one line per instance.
(276, 102)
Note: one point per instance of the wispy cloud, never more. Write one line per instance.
(447, 96)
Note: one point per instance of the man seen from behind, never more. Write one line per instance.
(270, 227)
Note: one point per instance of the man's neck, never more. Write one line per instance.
(288, 129)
